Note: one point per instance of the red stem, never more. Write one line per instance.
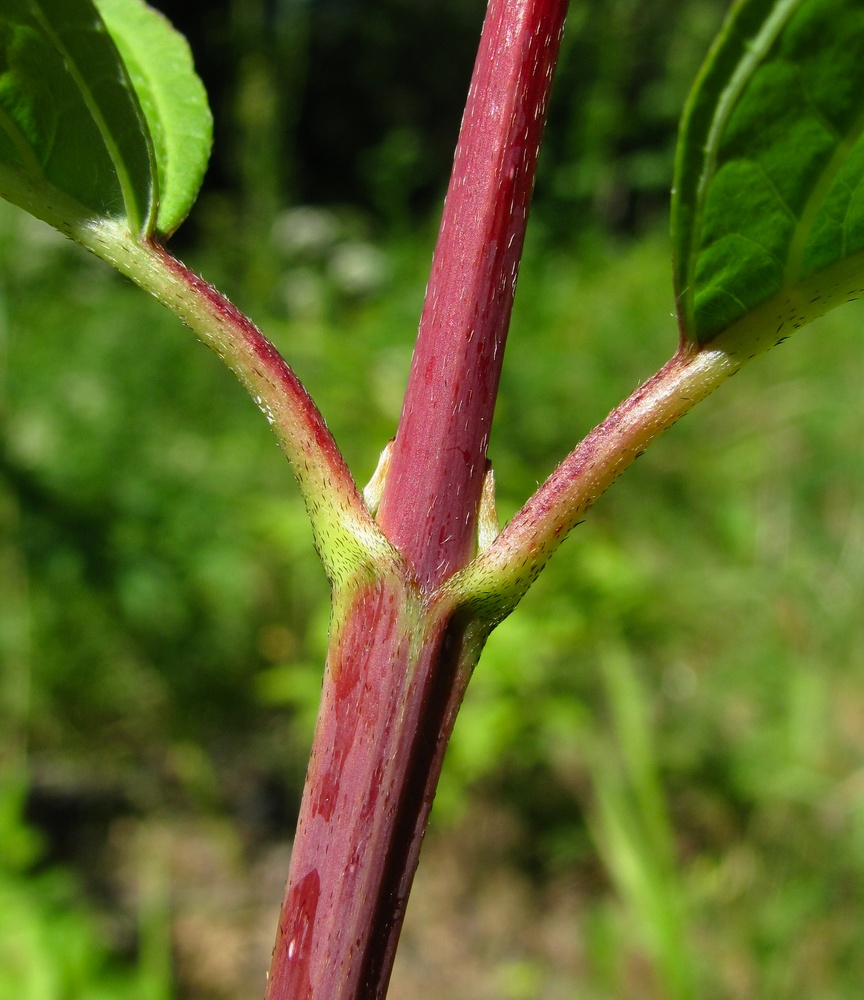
(399, 659)
(432, 491)
(386, 714)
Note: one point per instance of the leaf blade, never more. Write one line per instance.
(74, 146)
(769, 165)
(80, 37)
(173, 99)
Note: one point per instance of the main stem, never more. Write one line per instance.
(431, 496)
(400, 655)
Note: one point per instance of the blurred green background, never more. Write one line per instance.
(655, 788)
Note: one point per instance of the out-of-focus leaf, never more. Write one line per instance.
(768, 209)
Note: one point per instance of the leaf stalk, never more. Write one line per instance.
(345, 532)
(497, 579)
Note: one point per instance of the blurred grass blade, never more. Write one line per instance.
(632, 829)
(73, 142)
(173, 99)
(768, 213)
(630, 710)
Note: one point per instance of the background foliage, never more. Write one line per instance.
(655, 787)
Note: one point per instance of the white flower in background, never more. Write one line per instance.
(306, 230)
(357, 268)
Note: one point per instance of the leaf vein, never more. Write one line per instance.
(754, 51)
(816, 200)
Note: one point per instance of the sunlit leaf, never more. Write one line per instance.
(768, 209)
(73, 143)
(173, 100)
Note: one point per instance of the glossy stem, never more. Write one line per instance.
(432, 493)
(399, 656)
(396, 673)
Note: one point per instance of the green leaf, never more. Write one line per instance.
(173, 100)
(768, 204)
(73, 143)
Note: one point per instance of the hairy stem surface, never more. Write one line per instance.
(499, 577)
(431, 497)
(346, 536)
(400, 657)
(396, 672)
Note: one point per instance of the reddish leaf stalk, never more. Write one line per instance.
(499, 577)
(344, 530)
(432, 493)
(297, 423)
(399, 656)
